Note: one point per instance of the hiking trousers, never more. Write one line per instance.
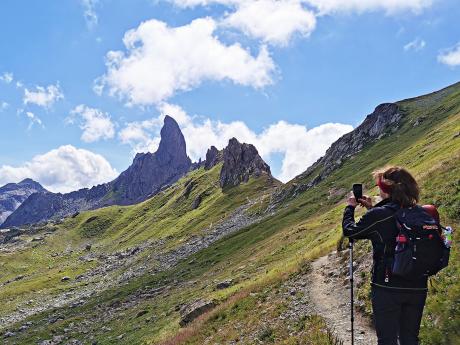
(397, 315)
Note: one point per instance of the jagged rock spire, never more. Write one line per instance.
(240, 162)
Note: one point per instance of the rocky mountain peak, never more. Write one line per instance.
(240, 162)
(151, 171)
(12, 195)
(172, 143)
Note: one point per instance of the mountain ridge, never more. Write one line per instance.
(148, 173)
(12, 195)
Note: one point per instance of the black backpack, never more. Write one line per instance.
(420, 250)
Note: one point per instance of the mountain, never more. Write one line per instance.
(199, 263)
(12, 195)
(148, 173)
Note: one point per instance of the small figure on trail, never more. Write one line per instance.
(396, 226)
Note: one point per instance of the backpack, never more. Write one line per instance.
(420, 250)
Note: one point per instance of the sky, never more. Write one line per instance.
(85, 84)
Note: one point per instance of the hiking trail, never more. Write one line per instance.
(330, 298)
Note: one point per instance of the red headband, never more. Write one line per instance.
(383, 186)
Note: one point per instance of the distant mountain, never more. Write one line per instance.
(148, 173)
(12, 195)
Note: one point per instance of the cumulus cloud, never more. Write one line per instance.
(299, 146)
(6, 77)
(62, 170)
(450, 56)
(96, 125)
(415, 45)
(272, 21)
(360, 6)
(4, 105)
(43, 96)
(161, 60)
(90, 14)
(142, 136)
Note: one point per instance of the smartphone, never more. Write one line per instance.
(358, 191)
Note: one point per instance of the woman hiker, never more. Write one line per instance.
(397, 303)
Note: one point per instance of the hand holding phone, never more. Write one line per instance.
(358, 191)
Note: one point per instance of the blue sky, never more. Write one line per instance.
(84, 83)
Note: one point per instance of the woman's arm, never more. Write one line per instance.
(366, 226)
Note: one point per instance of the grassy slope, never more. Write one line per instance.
(259, 258)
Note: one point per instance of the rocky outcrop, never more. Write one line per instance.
(213, 157)
(148, 174)
(193, 310)
(12, 195)
(240, 162)
(385, 119)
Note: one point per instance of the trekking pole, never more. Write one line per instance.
(350, 245)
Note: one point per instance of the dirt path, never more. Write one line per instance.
(330, 297)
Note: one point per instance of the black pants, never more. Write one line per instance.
(397, 315)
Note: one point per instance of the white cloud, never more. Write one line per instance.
(4, 105)
(360, 6)
(193, 3)
(90, 12)
(299, 146)
(96, 125)
(139, 135)
(415, 45)
(272, 21)
(6, 77)
(43, 96)
(62, 170)
(450, 56)
(160, 61)
(33, 119)
(329, 6)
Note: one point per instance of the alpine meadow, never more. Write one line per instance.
(224, 255)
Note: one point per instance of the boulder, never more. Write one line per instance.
(224, 284)
(193, 310)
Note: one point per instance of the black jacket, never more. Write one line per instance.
(379, 226)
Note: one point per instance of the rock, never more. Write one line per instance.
(240, 162)
(65, 278)
(196, 203)
(9, 334)
(213, 157)
(88, 247)
(224, 284)
(141, 313)
(12, 195)
(191, 311)
(37, 239)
